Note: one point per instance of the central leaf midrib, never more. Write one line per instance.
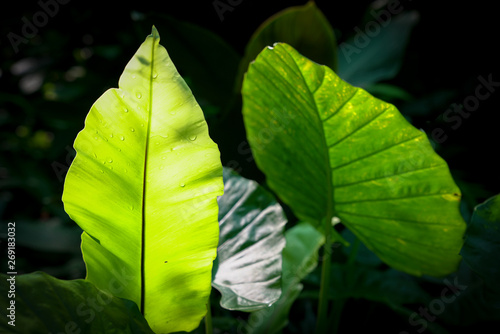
(330, 211)
(143, 225)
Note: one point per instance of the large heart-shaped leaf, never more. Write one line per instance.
(329, 149)
(250, 245)
(144, 187)
(41, 303)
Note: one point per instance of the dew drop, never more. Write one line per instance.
(142, 124)
(139, 95)
(132, 129)
(95, 137)
(182, 185)
(122, 138)
(126, 110)
(131, 207)
(111, 135)
(162, 158)
(95, 155)
(193, 137)
(133, 76)
(101, 171)
(155, 75)
(110, 160)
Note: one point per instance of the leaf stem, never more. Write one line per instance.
(208, 320)
(338, 305)
(321, 322)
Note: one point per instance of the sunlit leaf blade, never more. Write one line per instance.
(143, 187)
(300, 257)
(304, 27)
(250, 245)
(45, 304)
(330, 149)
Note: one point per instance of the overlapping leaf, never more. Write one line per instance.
(250, 245)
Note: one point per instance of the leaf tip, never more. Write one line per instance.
(154, 32)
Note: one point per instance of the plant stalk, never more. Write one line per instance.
(321, 322)
(208, 320)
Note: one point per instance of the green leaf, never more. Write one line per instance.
(388, 92)
(367, 58)
(250, 245)
(48, 236)
(144, 187)
(329, 149)
(304, 27)
(482, 244)
(390, 286)
(44, 304)
(300, 257)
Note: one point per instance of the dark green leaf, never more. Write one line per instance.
(44, 304)
(204, 57)
(303, 27)
(365, 59)
(481, 250)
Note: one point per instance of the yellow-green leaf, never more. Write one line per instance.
(144, 187)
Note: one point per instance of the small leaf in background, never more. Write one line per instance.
(204, 57)
(303, 27)
(330, 149)
(143, 186)
(365, 60)
(300, 257)
(250, 245)
(45, 304)
(48, 236)
(388, 92)
(481, 242)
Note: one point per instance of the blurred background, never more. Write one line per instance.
(57, 58)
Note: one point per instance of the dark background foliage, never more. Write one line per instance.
(49, 85)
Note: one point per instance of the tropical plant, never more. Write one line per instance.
(352, 201)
